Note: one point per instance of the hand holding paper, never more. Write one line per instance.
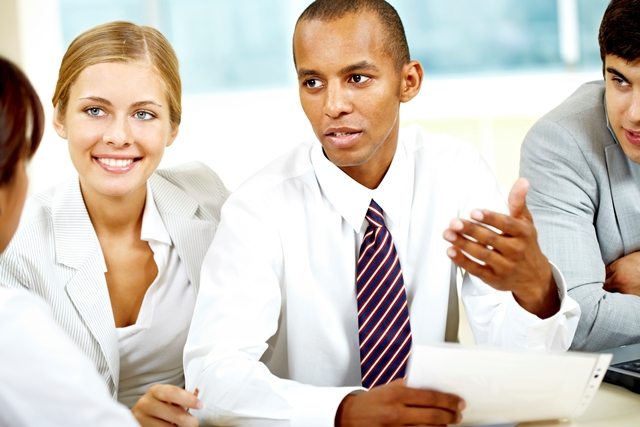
(395, 404)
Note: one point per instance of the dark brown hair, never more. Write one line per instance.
(620, 30)
(328, 10)
(21, 119)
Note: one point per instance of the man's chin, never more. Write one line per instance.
(632, 152)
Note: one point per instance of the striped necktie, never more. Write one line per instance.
(383, 315)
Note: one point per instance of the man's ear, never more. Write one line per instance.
(412, 74)
(58, 123)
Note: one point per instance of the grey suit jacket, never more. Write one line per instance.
(585, 200)
(56, 254)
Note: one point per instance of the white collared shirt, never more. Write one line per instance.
(151, 349)
(274, 338)
(45, 379)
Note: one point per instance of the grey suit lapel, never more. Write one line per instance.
(77, 247)
(190, 235)
(625, 192)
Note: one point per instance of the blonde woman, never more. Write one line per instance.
(117, 252)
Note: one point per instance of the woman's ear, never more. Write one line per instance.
(58, 123)
(173, 134)
(412, 74)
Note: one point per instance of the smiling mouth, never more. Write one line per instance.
(112, 163)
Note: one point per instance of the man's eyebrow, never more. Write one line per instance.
(358, 66)
(304, 72)
(617, 73)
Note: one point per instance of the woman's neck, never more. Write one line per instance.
(115, 215)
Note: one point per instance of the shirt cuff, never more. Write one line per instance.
(317, 406)
(553, 333)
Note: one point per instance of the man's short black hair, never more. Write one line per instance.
(328, 10)
(620, 30)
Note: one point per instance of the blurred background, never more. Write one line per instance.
(492, 68)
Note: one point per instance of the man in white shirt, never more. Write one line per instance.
(45, 378)
(277, 334)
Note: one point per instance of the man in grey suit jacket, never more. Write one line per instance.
(583, 163)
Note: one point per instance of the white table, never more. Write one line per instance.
(612, 406)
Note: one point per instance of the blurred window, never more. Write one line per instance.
(245, 44)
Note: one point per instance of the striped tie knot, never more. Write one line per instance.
(375, 215)
(383, 315)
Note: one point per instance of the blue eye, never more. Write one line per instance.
(94, 111)
(144, 115)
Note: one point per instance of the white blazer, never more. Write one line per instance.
(56, 254)
(46, 380)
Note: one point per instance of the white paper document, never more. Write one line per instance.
(507, 386)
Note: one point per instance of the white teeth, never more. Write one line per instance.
(342, 134)
(115, 163)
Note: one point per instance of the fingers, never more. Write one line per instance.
(485, 272)
(611, 283)
(395, 404)
(488, 254)
(518, 198)
(175, 395)
(433, 399)
(162, 414)
(430, 407)
(485, 258)
(482, 242)
(166, 405)
(429, 416)
(152, 422)
(503, 224)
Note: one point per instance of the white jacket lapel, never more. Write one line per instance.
(190, 234)
(77, 247)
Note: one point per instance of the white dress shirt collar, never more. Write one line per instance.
(153, 227)
(351, 199)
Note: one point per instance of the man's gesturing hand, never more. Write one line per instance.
(503, 251)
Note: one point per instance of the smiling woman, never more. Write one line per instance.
(120, 247)
(117, 133)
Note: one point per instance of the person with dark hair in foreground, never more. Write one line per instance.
(46, 380)
(583, 161)
(329, 265)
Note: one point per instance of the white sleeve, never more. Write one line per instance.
(237, 311)
(495, 316)
(46, 380)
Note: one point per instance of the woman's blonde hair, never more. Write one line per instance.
(120, 41)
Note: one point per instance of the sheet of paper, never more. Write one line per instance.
(503, 387)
